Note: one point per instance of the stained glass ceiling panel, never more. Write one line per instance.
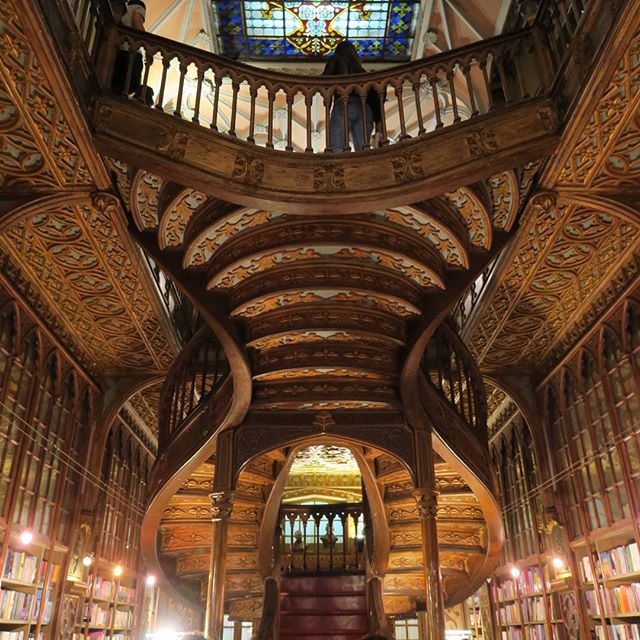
(293, 29)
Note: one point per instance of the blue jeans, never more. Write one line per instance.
(354, 121)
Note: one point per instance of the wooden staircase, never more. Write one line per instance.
(315, 607)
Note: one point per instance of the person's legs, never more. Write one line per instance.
(336, 127)
(355, 123)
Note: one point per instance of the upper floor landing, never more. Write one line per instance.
(263, 138)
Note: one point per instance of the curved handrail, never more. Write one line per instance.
(291, 112)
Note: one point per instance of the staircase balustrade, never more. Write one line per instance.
(449, 367)
(199, 372)
(281, 111)
(323, 538)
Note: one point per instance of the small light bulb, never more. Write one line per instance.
(515, 572)
(558, 563)
(117, 570)
(87, 561)
(26, 537)
(151, 580)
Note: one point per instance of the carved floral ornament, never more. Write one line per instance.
(221, 504)
(427, 501)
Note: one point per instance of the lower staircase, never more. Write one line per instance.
(315, 607)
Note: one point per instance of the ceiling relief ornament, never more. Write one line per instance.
(323, 459)
(474, 214)
(176, 216)
(145, 192)
(606, 143)
(36, 143)
(75, 260)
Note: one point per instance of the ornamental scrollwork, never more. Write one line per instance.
(221, 504)
(427, 501)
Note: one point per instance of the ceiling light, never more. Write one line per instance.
(26, 537)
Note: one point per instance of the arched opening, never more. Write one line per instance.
(323, 513)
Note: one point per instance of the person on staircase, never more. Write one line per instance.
(345, 61)
(133, 18)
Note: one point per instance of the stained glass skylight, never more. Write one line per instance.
(293, 29)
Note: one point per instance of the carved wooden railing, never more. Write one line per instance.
(468, 302)
(449, 367)
(276, 110)
(323, 538)
(196, 376)
(90, 17)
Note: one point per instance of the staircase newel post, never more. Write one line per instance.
(426, 498)
(221, 506)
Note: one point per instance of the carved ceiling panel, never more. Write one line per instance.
(74, 259)
(567, 253)
(145, 404)
(37, 149)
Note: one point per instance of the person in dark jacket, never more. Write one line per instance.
(345, 61)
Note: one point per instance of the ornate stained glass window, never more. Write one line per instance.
(290, 29)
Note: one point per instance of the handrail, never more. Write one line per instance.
(90, 17)
(467, 303)
(288, 112)
(309, 549)
(197, 374)
(451, 370)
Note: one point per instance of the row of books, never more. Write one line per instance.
(21, 566)
(103, 588)
(96, 615)
(506, 590)
(126, 594)
(11, 635)
(54, 572)
(592, 603)
(618, 632)
(538, 632)
(510, 614)
(618, 561)
(15, 605)
(122, 619)
(531, 581)
(625, 598)
(512, 633)
(533, 609)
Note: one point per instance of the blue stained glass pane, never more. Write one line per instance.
(285, 29)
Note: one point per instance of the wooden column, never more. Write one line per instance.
(221, 505)
(426, 498)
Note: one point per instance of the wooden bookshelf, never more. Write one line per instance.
(29, 582)
(109, 608)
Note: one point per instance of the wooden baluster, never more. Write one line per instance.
(344, 519)
(516, 63)
(316, 525)
(416, 92)
(470, 403)
(83, 19)
(382, 94)
(308, 101)
(332, 539)
(327, 121)
(403, 126)
(163, 82)
(129, 75)
(192, 395)
(461, 389)
(356, 560)
(503, 79)
(466, 70)
(216, 366)
(345, 121)
(196, 107)
(183, 73)
(289, 146)
(234, 108)
(436, 105)
(216, 101)
(272, 97)
(366, 137)
(487, 84)
(174, 408)
(292, 558)
(148, 61)
(253, 93)
(454, 97)
(205, 365)
(305, 519)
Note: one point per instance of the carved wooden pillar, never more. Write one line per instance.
(221, 505)
(426, 498)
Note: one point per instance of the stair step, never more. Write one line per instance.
(324, 585)
(327, 623)
(324, 603)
